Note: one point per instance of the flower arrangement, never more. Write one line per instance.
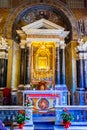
(33, 85)
(67, 118)
(21, 118)
(50, 84)
(28, 102)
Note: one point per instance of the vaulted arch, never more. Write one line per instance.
(31, 11)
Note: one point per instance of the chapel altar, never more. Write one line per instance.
(42, 54)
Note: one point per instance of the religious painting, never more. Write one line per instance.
(43, 61)
(42, 100)
(43, 104)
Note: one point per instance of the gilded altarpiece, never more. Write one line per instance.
(43, 61)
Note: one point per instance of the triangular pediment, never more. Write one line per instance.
(43, 27)
(42, 23)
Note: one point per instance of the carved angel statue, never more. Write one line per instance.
(82, 45)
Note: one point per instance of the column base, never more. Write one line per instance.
(62, 88)
(14, 100)
(80, 97)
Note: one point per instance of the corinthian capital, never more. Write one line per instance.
(81, 55)
(4, 45)
(62, 44)
(82, 45)
(22, 44)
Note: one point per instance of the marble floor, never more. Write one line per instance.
(50, 127)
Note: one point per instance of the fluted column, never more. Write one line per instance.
(62, 62)
(57, 73)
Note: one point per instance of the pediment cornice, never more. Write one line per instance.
(50, 29)
(42, 23)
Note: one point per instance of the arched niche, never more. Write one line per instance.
(31, 11)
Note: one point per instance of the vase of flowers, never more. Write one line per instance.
(20, 126)
(20, 118)
(67, 118)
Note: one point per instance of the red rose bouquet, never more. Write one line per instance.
(67, 118)
(21, 117)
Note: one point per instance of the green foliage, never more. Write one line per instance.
(21, 117)
(66, 116)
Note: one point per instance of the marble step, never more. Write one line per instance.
(43, 119)
(71, 128)
(43, 127)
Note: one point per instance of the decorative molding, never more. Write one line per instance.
(82, 45)
(54, 32)
(4, 45)
(22, 44)
(81, 49)
(62, 44)
(81, 55)
(42, 23)
(51, 28)
(54, 6)
(3, 55)
(42, 39)
(85, 55)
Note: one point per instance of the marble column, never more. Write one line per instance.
(57, 73)
(85, 69)
(62, 62)
(81, 64)
(15, 81)
(28, 52)
(4, 47)
(3, 71)
(80, 71)
(80, 94)
(23, 66)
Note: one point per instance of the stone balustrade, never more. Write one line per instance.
(79, 112)
(8, 113)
